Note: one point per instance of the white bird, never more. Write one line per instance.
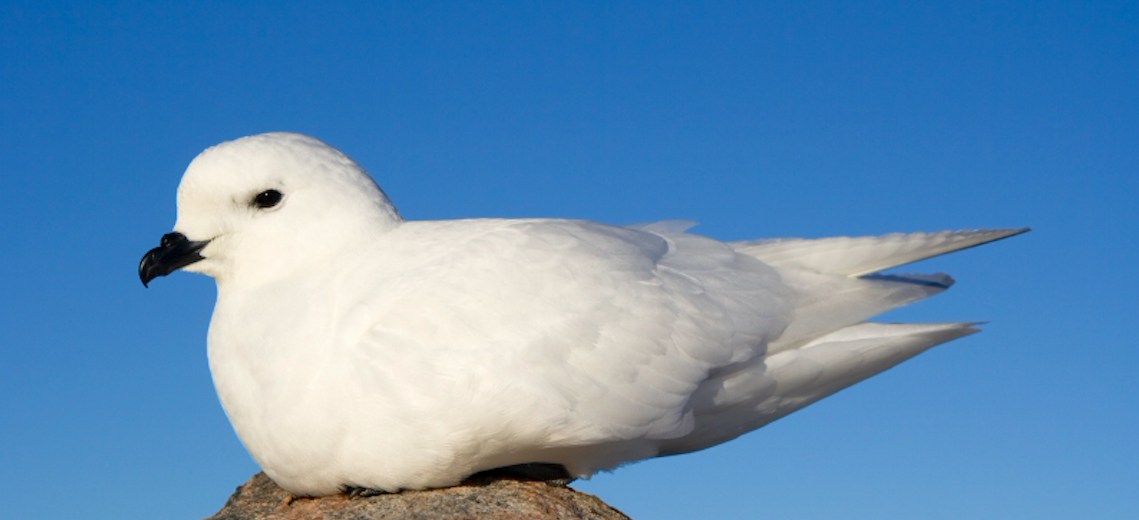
(354, 350)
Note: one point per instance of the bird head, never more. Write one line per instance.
(266, 205)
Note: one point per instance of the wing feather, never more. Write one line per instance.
(855, 256)
(613, 352)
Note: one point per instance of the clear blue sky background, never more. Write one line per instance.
(754, 118)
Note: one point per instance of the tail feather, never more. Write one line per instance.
(847, 356)
(828, 346)
(734, 403)
(827, 302)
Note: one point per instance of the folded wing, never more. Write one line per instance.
(829, 345)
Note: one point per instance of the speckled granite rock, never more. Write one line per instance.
(261, 499)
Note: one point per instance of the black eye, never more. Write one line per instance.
(267, 199)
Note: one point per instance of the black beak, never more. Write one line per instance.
(176, 252)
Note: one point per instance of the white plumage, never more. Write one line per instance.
(352, 348)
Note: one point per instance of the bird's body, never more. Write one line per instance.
(352, 348)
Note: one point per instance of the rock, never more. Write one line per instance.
(500, 499)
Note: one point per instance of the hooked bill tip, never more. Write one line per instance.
(176, 252)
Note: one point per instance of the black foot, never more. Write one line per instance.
(554, 474)
(361, 492)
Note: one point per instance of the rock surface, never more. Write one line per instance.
(261, 499)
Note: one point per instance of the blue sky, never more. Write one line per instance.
(753, 118)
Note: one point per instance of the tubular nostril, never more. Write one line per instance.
(172, 238)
